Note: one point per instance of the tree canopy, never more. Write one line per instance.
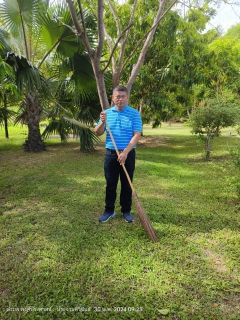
(67, 56)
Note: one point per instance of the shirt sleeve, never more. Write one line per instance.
(137, 122)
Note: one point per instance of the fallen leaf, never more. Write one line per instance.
(164, 312)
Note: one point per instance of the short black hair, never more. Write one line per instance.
(120, 88)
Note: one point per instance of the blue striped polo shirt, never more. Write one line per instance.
(122, 125)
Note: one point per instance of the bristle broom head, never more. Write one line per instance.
(144, 219)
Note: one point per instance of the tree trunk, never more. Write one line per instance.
(101, 87)
(34, 142)
(141, 104)
(5, 115)
(208, 145)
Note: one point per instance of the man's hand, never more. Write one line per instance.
(99, 130)
(122, 157)
(103, 116)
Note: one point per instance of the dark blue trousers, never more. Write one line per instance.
(113, 170)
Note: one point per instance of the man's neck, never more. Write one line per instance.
(120, 108)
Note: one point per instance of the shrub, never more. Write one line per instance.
(210, 117)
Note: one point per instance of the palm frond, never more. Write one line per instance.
(81, 81)
(86, 135)
(66, 125)
(6, 72)
(27, 75)
(55, 36)
(16, 12)
(89, 111)
(57, 126)
(4, 42)
(6, 114)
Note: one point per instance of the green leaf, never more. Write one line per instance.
(164, 312)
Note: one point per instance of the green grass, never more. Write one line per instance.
(58, 262)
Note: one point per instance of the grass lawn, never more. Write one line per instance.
(58, 262)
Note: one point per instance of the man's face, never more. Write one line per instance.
(120, 99)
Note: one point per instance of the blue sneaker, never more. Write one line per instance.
(106, 216)
(128, 217)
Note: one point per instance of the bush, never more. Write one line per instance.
(210, 117)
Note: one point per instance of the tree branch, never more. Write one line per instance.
(74, 17)
(125, 41)
(109, 42)
(82, 16)
(66, 25)
(100, 29)
(116, 43)
(81, 33)
(150, 30)
(94, 55)
(115, 17)
(117, 68)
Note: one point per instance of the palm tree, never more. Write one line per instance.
(76, 106)
(7, 89)
(37, 42)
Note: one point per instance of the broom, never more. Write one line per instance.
(141, 213)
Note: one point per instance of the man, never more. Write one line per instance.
(125, 123)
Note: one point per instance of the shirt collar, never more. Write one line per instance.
(125, 109)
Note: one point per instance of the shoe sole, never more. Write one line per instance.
(128, 221)
(108, 218)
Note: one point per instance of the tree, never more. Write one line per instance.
(210, 117)
(151, 89)
(173, 65)
(117, 43)
(18, 18)
(34, 41)
(233, 33)
(72, 105)
(225, 67)
(6, 89)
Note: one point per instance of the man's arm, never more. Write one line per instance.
(133, 142)
(99, 130)
(123, 155)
